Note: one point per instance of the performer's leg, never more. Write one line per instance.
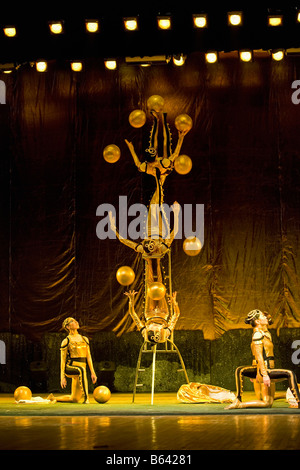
(240, 373)
(266, 402)
(257, 389)
(292, 379)
(76, 393)
(79, 386)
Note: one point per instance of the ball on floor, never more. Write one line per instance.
(22, 393)
(102, 394)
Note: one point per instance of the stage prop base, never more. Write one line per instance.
(146, 349)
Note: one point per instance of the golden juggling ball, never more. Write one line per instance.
(111, 153)
(125, 275)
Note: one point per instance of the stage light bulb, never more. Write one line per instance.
(10, 31)
(92, 26)
(131, 24)
(179, 61)
(277, 55)
(200, 21)
(41, 66)
(110, 64)
(246, 56)
(235, 18)
(56, 27)
(76, 66)
(164, 23)
(275, 20)
(211, 57)
(298, 16)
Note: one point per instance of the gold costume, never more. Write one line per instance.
(75, 355)
(158, 324)
(201, 393)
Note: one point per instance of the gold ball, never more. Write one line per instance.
(156, 291)
(156, 103)
(111, 153)
(183, 122)
(192, 246)
(22, 393)
(183, 164)
(137, 118)
(125, 275)
(101, 394)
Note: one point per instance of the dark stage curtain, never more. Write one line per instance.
(244, 145)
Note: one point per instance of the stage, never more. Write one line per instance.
(120, 425)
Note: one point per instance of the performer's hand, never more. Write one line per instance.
(183, 133)
(176, 207)
(266, 380)
(94, 378)
(172, 298)
(130, 294)
(63, 382)
(129, 144)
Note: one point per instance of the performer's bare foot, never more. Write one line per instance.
(234, 405)
(52, 398)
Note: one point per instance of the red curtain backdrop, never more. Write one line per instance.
(244, 145)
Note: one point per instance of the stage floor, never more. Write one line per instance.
(120, 425)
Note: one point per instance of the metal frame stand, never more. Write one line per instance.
(154, 350)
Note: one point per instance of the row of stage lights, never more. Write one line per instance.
(211, 57)
(234, 18)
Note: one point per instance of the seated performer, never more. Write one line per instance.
(263, 371)
(75, 355)
(157, 326)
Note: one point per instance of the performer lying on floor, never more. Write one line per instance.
(75, 355)
(264, 371)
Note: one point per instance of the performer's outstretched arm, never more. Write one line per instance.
(133, 153)
(181, 135)
(176, 312)
(176, 209)
(139, 323)
(113, 227)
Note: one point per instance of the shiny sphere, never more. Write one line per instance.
(22, 393)
(125, 275)
(192, 246)
(183, 122)
(101, 394)
(156, 290)
(183, 164)
(137, 118)
(111, 153)
(156, 103)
